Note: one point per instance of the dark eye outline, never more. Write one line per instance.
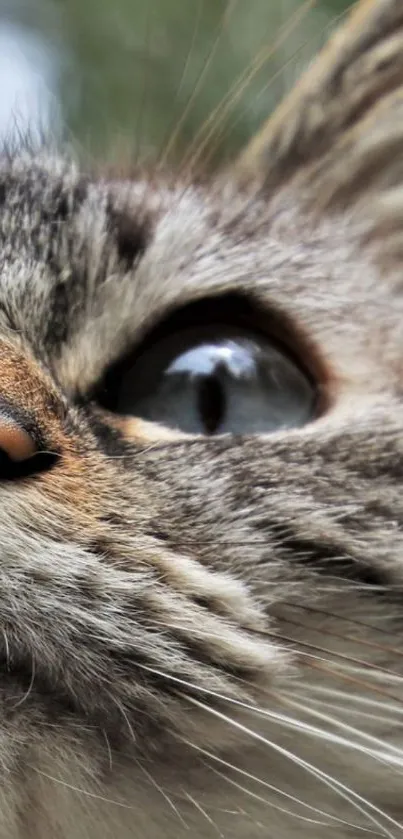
(232, 310)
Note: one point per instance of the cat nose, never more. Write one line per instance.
(15, 441)
(20, 454)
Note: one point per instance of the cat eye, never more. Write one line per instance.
(215, 379)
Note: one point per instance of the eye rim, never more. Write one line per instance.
(232, 310)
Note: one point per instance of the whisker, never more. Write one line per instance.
(188, 629)
(275, 716)
(203, 812)
(321, 734)
(334, 654)
(346, 619)
(308, 659)
(372, 645)
(346, 708)
(319, 664)
(162, 792)
(269, 803)
(140, 117)
(220, 129)
(350, 729)
(322, 630)
(353, 698)
(198, 86)
(272, 787)
(227, 130)
(198, 688)
(85, 792)
(152, 780)
(208, 128)
(347, 794)
(185, 68)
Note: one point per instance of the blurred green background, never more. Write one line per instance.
(136, 79)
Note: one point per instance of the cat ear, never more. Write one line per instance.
(339, 134)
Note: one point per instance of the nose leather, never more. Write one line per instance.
(15, 441)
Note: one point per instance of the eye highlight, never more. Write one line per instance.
(214, 379)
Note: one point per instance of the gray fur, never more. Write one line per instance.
(193, 629)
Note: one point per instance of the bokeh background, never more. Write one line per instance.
(143, 79)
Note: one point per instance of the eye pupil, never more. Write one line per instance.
(211, 402)
(214, 379)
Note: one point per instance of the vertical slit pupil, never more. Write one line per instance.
(211, 402)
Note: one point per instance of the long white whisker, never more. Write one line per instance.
(344, 727)
(288, 812)
(269, 803)
(282, 719)
(273, 788)
(333, 693)
(345, 709)
(347, 794)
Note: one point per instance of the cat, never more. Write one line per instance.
(201, 439)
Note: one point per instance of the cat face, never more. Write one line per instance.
(200, 528)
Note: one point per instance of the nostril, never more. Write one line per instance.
(20, 455)
(15, 441)
(11, 470)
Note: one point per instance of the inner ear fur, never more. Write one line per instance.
(339, 134)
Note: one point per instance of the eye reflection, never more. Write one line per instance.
(205, 358)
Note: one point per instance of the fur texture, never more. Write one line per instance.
(204, 636)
